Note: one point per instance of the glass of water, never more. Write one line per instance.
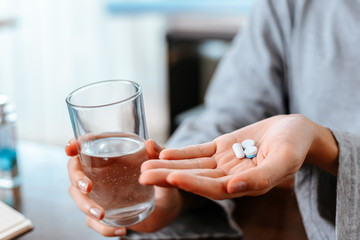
(108, 121)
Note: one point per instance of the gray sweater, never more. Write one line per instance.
(296, 57)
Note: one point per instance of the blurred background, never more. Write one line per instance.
(49, 48)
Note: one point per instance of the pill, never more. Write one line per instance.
(247, 143)
(238, 150)
(250, 152)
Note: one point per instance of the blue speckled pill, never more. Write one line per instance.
(251, 152)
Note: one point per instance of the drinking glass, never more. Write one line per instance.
(108, 121)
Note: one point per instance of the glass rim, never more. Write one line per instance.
(135, 95)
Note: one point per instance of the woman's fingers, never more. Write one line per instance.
(194, 151)
(153, 149)
(86, 204)
(71, 148)
(103, 229)
(77, 176)
(159, 177)
(276, 167)
(214, 188)
(253, 181)
(155, 177)
(80, 186)
(208, 163)
(260, 179)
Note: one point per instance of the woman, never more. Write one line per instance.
(293, 57)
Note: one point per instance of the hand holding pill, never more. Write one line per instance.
(213, 170)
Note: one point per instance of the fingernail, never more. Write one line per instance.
(96, 213)
(238, 187)
(83, 185)
(119, 232)
(67, 145)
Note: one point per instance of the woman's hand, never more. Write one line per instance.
(168, 203)
(212, 170)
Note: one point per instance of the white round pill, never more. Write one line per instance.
(247, 143)
(238, 150)
(251, 151)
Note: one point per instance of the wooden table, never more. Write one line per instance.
(43, 198)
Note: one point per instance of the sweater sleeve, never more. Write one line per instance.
(348, 187)
(330, 206)
(250, 82)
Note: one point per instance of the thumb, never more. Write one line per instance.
(153, 149)
(257, 180)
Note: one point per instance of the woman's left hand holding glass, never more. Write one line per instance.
(168, 205)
